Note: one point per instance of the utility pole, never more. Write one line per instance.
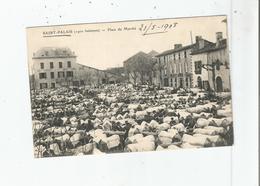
(191, 37)
(212, 67)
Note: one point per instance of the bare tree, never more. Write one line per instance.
(140, 65)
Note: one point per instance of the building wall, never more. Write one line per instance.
(176, 72)
(207, 75)
(223, 72)
(204, 75)
(82, 75)
(89, 75)
(92, 76)
(57, 80)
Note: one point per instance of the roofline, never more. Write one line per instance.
(51, 57)
(208, 50)
(98, 69)
(142, 52)
(175, 50)
(89, 67)
(180, 49)
(112, 73)
(134, 55)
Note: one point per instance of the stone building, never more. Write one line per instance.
(174, 67)
(211, 66)
(56, 67)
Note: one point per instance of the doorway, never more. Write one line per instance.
(219, 84)
(166, 82)
(199, 82)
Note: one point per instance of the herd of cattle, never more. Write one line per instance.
(123, 118)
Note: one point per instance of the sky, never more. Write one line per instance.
(110, 47)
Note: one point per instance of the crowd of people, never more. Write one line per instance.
(127, 118)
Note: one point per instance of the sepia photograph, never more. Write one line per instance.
(130, 86)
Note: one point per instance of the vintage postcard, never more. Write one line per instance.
(130, 86)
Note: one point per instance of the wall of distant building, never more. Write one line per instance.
(191, 65)
(211, 66)
(222, 71)
(53, 72)
(175, 68)
(200, 76)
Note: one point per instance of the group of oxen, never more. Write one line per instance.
(114, 126)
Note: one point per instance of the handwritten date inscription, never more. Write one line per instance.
(148, 29)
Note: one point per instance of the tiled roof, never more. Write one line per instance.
(153, 53)
(176, 50)
(139, 55)
(192, 46)
(53, 52)
(104, 71)
(208, 48)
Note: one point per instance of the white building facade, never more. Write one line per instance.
(58, 67)
(211, 66)
(53, 67)
(175, 66)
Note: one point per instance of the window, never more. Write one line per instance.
(69, 74)
(206, 85)
(187, 82)
(60, 74)
(42, 65)
(175, 82)
(226, 64)
(51, 64)
(42, 75)
(218, 65)
(162, 59)
(173, 56)
(52, 75)
(185, 54)
(186, 67)
(154, 73)
(199, 82)
(179, 55)
(60, 64)
(43, 85)
(82, 82)
(171, 70)
(69, 64)
(52, 85)
(75, 83)
(198, 67)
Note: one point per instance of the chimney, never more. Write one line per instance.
(197, 38)
(176, 46)
(219, 37)
(200, 42)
